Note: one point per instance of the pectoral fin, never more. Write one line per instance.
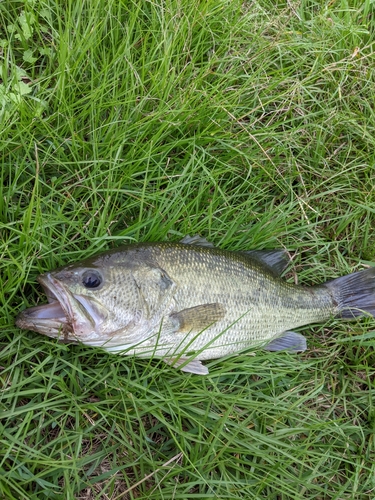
(291, 341)
(194, 366)
(197, 318)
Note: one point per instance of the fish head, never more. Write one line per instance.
(93, 304)
(110, 300)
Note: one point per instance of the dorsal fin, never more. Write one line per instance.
(197, 240)
(276, 260)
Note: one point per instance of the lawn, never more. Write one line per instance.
(250, 123)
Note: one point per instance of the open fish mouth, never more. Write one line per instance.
(67, 316)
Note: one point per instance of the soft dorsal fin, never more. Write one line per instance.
(276, 260)
(197, 240)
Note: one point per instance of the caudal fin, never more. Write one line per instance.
(355, 293)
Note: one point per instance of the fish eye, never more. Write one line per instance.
(91, 279)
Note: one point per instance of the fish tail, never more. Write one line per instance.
(354, 293)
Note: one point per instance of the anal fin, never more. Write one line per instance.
(291, 341)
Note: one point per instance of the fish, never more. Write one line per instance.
(188, 302)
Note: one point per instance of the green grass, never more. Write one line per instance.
(251, 123)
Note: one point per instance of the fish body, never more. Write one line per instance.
(189, 302)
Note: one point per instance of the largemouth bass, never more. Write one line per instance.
(187, 302)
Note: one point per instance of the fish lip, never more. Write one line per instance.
(48, 287)
(49, 319)
(64, 316)
(78, 316)
(41, 320)
(55, 291)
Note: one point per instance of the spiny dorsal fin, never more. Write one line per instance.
(197, 318)
(197, 240)
(276, 260)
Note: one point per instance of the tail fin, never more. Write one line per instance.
(355, 293)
